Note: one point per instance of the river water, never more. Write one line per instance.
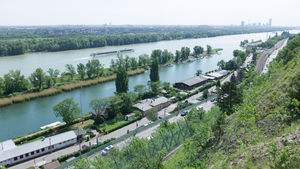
(22, 118)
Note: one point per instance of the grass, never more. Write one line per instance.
(61, 89)
(82, 125)
(172, 161)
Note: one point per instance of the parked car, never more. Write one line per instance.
(213, 99)
(184, 113)
(106, 150)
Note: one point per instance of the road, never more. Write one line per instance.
(260, 65)
(273, 56)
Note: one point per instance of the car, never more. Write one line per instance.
(184, 113)
(213, 99)
(110, 147)
(104, 152)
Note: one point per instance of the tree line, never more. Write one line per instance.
(20, 41)
(14, 82)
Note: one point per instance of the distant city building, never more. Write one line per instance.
(243, 23)
(270, 22)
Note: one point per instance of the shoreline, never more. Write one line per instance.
(7, 101)
(232, 34)
(61, 89)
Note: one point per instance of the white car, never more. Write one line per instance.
(106, 150)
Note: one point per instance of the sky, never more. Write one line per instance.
(149, 12)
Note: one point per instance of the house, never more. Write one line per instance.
(191, 83)
(146, 105)
(218, 74)
(100, 112)
(11, 154)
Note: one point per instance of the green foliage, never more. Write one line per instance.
(14, 82)
(67, 109)
(70, 70)
(81, 70)
(208, 49)
(37, 78)
(154, 70)
(122, 77)
(152, 115)
(198, 50)
(228, 96)
(199, 72)
(185, 53)
(205, 94)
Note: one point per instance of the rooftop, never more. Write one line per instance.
(36, 145)
(148, 104)
(218, 74)
(194, 80)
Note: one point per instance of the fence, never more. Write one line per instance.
(134, 132)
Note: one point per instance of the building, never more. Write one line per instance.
(100, 112)
(191, 83)
(146, 105)
(218, 74)
(11, 154)
(270, 22)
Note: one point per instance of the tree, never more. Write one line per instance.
(209, 49)
(70, 70)
(199, 72)
(14, 82)
(140, 89)
(100, 104)
(94, 68)
(152, 114)
(67, 109)
(81, 70)
(228, 96)
(48, 81)
(155, 87)
(37, 78)
(53, 74)
(121, 80)
(221, 64)
(126, 104)
(99, 119)
(1, 86)
(205, 94)
(154, 74)
(218, 83)
(177, 56)
(198, 50)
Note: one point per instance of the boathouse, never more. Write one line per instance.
(191, 83)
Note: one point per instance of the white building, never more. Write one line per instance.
(11, 154)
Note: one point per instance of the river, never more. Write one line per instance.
(22, 118)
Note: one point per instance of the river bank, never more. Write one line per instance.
(64, 88)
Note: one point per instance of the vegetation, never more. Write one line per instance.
(258, 131)
(16, 41)
(67, 109)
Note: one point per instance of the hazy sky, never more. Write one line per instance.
(162, 12)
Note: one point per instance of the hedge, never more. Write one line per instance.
(77, 153)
